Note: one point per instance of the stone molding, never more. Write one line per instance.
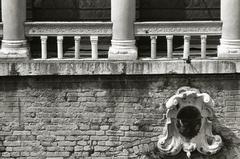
(123, 50)
(141, 28)
(172, 142)
(14, 49)
(112, 67)
(178, 28)
(229, 48)
(68, 28)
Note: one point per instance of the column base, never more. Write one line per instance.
(123, 50)
(14, 49)
(229, 49)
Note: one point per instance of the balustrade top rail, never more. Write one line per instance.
(68, 28)
(105, 28)
(178, 28)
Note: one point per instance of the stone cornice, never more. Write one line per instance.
(107, 67)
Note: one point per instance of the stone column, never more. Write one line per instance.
(123, 40)
(14, 44)
(230, 41)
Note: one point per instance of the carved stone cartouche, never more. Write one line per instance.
(189, 124)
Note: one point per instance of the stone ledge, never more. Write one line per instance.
(106, 67)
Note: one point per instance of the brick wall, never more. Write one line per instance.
(61, 117)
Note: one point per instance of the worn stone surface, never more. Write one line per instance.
(110, 67)
(105, 116)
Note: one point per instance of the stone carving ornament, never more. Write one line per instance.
(189, 124)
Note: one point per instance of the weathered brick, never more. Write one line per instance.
(25, 154)
(57, 154)
(100, 133)
(60, 138)
(104, 127)
(134, 134)
(20, 149)
(113, 143)
(21, 133)
(124, 128)
(84, 127)
(101, 148)
(114, 138)
(12, 143)
(82, 143)
(134, 128)
(101, 143)
(136, 149)
(101, 94)
(78, 148)
(6, 154)
(15, 154)
(87, 148)
(67, 143)
(52, 149)
(125, 139)
(112, 132)
(72, 99)
(99, 138)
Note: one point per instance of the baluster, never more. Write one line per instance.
(44, 47)
(94, 44)
(60, 47)
(169, 46)
(186, 51)
(77, 46)
(203, 46)
(153, 47)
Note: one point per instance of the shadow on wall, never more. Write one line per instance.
(178, 10)
(230, 149)
(2, 147)
(71, 10)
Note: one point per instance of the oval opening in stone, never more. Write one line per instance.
(189, 122)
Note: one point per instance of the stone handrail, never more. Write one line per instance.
(68, 28)
(179, 28)
(141, 28)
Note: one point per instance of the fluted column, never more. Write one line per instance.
(230, 41)
(123, 41)
(14, 44)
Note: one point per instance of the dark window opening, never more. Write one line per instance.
(189, 122)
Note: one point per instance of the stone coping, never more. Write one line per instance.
(18, 67)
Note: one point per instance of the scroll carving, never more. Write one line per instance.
(189, 124)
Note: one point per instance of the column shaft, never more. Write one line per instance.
(14, 44)
(123, 40)
(230, 41)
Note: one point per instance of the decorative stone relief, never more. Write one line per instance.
(189, 124)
